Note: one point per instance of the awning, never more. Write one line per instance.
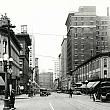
(90, 84)
(2, 83)
(95, 84)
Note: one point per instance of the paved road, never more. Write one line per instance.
(59, 102)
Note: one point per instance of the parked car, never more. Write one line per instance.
(103, 92)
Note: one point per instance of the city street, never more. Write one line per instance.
(58, 101)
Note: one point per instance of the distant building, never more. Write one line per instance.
(46, 80)
(36, 78)
(56, 69)
(63, 72)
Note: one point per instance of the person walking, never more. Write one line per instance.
(70, 93)
(12, 99)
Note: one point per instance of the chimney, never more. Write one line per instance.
(107, 11)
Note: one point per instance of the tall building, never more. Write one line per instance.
(56, 69)
(46, 80)
(32, 56)
(25, 42)
(64, 64)
(87, 35)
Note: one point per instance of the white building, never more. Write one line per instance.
(32, 55)
(56, 70)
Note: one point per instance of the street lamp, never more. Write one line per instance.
(5, 60)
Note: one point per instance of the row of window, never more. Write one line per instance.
(92, 66)
(82, 23)
(84, 18)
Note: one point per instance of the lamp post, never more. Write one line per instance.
(6, 60)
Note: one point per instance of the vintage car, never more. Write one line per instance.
(103, 92)
(44, 92)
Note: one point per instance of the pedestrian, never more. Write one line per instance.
(12, 99)
(70, 93)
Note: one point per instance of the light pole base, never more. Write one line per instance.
(6, 104)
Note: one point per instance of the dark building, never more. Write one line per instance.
(25, 41)
(9, 45)
(36, 78)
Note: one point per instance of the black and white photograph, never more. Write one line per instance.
(54, 54)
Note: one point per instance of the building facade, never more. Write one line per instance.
(87, 35)
(10, 45)
(64, 81)
(25, 72)
(56, 69)
(32, 56)
(96, 68)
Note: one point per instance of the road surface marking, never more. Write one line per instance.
(51, 106)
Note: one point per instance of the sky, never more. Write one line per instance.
(45, 20)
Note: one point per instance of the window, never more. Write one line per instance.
(0, 63)
(75, 30)
(76, 35)
(105, 73)
(21, 45)
(82, 18)
(82, 50)
(4, 46)
(91, 18)
(75, 18)
(105, 62)
(75, 23)
(82, 30)
(82, 23)
(82, 45)
(76, 51)
(91, 23)
(76, 46)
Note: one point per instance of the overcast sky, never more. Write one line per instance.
(46, 22)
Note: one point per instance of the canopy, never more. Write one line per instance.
(2, 83)
(95, 84)
(90, 85)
